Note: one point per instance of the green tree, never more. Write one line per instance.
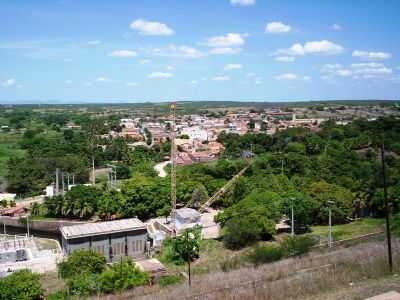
(82, 262)
(21, 285)
(187, 246)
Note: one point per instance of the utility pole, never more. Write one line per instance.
(173, 170)
(93, 177)
(292, 209)
(387, 212)
(57, 183)
(27, 224)
(330, 223)
(63, 183)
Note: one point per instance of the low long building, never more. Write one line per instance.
(113, 239)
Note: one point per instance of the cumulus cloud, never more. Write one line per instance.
(94, 42)
(229, 40)
(103, 79)
(123, 53)
(162, 75)
(226, 44)
(336, 27)
(277, 27)
(286, 59)
(68, 81)
(243, 2)
(365, 55)
(324, 47)
(9, 83)
(229, 67)
(144, 61)
(356, 70)
(286, 76)
(151, 28)
(178, 51)
(221, 78)
(226, 50)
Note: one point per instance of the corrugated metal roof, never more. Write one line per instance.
(91, 229)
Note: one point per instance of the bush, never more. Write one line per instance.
(169, 280)
(395, 226)
(59, 295)
(231, 264)
(21, 285)
(266, 254)
(121, 276)
(82, 262)
(82, 285)
(297, 245)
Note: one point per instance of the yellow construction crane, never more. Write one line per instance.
(173, 170)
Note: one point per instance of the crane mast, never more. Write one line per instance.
(173, 170)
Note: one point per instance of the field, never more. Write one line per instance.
(350, 230)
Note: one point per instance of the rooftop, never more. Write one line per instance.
(90, 229)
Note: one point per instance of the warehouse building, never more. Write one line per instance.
(113, 239)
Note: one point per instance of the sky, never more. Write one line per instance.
(73, 51)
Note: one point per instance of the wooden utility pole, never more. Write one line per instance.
(387, 211)
(173, 170)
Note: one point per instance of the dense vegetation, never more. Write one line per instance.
(296, 167)
(21, 285)
(86, 273)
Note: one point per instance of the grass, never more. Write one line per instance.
(350, 230)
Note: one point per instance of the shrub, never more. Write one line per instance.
(80, 262)
(395, 226)
(297, 245)
(121, 276)
(21, 285)
(59, 295)
(169, 280)
(82, 285)
(229, 264)
(265, 254)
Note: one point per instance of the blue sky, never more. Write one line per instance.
(161, 50)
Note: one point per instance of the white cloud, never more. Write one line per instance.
(286, 59)
(356, 70)
(277, 27)
(151, 28)
(178, 51)
(144, 61)
(88, 84)
(315, 47)
(258, 80)
(243, 2)
(9, 82)
(306, 78)
(170, 68)
(229, 40)
(229, 67)
(194, 83)
(123, 53)
(160, 75)
(221, 78)
(286, 76)
(251, 75)
(226, 50)
(336, 27)
(103, 79)
(365, 55)
(132, 83)
(68, 81)
(94, 42)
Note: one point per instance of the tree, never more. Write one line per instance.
(21, 285)
(82, 262)
(187, 246)
(199, 196)
(81, 201)
(121, 276)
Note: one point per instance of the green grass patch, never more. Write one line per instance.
(350, 230)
